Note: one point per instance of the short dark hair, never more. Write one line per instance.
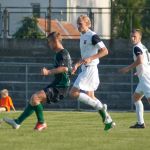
(137, 30)
(54, 35)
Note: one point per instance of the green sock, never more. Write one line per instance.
(39, 113)
(27, 112)
(103, 114)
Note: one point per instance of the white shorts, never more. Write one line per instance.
(143, 86)
(88, 79)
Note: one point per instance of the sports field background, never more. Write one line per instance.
(75, 131)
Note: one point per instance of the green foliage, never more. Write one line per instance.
(145, 21)
(29, 29)
(129, 14)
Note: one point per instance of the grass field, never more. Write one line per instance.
(75, 131)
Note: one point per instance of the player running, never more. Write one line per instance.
(142, 63)
(92, 48)
(54, 92)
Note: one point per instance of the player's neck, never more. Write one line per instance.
(59, 48)
(83, 32)
(137, 43)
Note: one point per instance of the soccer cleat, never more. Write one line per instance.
(12, 123)
(106, 118)
(138, 126)
(109, 126)
(40, 126)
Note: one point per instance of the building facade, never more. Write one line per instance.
(62, 10)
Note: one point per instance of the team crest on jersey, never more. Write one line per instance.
(85, 41)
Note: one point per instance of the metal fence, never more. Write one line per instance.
(107, 22)
(100, 17)
(23, 79)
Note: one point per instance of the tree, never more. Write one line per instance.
(29, 29)
(125, 16)
(145, 21)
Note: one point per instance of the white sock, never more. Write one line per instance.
(139, 111)
(84, 98)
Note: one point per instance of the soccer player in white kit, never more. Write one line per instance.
(92, 48)
(142, 63)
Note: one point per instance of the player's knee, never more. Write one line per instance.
(134, 98)
(34, 100)
(74, 94)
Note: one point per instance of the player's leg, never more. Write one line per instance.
(139, 110)
(102, 110)
(36, 101)
(33, 105)
(89, 99)
(2, 109)
(15, 123)
(83, 97)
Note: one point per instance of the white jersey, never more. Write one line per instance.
(90, 43)
(144, 68)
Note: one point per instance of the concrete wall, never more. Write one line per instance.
(14, 47)
(115, 88)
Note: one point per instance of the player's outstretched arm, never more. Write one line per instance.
(60, 69)
(76, 66)
(138, 61)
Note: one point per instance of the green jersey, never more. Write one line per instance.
(62, 58)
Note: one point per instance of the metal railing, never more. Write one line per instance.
(23, 79)
(100, 17)
(108, 22)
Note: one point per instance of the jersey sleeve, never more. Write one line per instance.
(96, 41)
(65, 60)
(137, 51)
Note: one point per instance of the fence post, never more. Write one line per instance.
(91, 16)
(49, 18)
(131, 74)
(78, 105)
(5, 23)
(26, 83)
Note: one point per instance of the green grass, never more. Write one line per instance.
(75, 131)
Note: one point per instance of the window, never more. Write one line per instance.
(36, 10)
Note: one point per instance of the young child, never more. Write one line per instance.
(5, 101)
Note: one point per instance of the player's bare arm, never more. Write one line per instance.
(61, 69)
(101, 53)
(138, 61)
(76, 66)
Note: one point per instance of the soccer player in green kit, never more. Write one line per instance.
(54, 92)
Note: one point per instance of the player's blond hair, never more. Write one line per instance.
(4, 92)
(84, 18)
(54, 35)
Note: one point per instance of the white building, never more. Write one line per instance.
(101, 17)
